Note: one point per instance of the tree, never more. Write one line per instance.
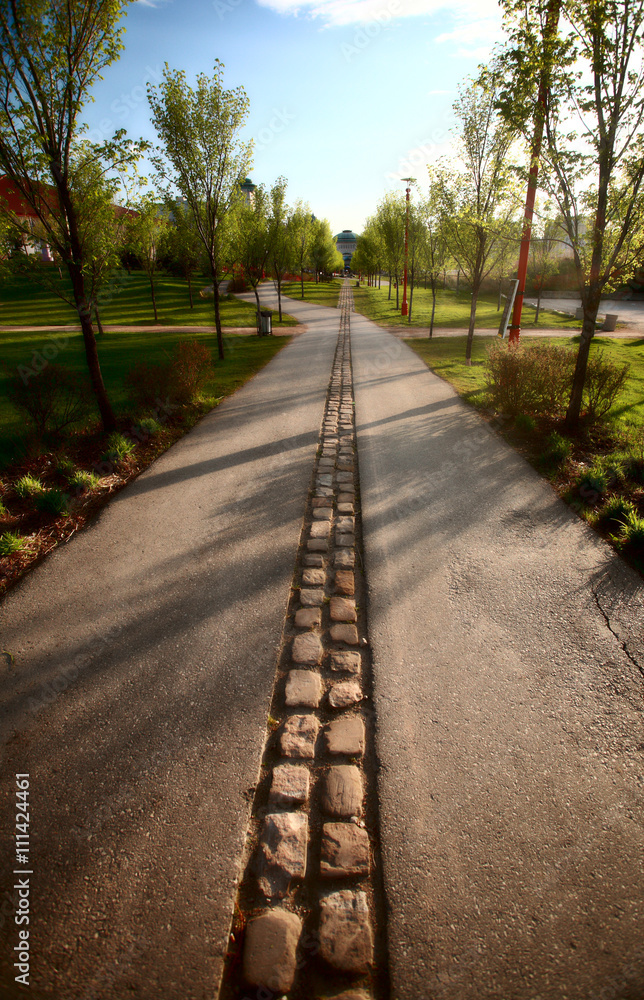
(303, 230)
(50, 55)
(478, 202)
(390, 222)
(145, 239)
(203, 156)
(181, 249)
(593, 150)
(323, 253)
(282, 237)
(251, 239)
(435, 249)
(545, 254)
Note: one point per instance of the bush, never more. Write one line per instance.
(556, 450)
(51, 400)
(181, 379)
(191, 367)
(28, 486)
(592, 484)
(64, 465)
(10, 542)
(118, 447)
(616, 510)
(604, 382)
(81, 480)
(3, 509)
(524, 423)
(631, 537)
(148, 384)
(52, 502)
(532, 379)
(148, 427)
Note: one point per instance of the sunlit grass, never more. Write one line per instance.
(452, 310)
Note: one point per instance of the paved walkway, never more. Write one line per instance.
(507, 651)
(508, 655)
(144, 661)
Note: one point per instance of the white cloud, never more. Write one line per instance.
(343, 12)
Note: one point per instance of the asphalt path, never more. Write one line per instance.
(508, 654)
(144, 655)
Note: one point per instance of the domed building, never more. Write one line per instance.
(346, 244)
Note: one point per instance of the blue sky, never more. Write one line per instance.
(346, 96)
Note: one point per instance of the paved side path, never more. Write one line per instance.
(508, 655)
(145, 655)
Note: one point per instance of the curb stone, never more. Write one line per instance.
(310, 916)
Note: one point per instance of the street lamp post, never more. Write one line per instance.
(409, 181)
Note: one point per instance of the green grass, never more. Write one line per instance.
(126, 303)
(326, 293)
(446, 356)
(452, 310)
(118, 352)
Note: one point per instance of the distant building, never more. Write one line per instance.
(346, 244)
(248, 189)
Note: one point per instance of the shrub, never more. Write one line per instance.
(525, 423)
(532, 379)
(82, 480)
(118, 447)
(616, 510)
(52, 502)
(51, 400)
(28, 486)
(181, 379)
(604, 382)
(10, 542)
(3, 509)
(556, 450)
(148, 384)
(631, 537)
(191, 368)
(64, 465)
(592, 484)
(149, 426)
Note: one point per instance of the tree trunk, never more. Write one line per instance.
(154, 301)
(190, 290)
(536, 315)
(458, 280)
(278, 282)
(302, 281)
(571, 422)
(470, 332)
(99, 325)
(431, 322)
(378, 279)
(498, 301)
(220, 338)
(397, 292)
(389, 296)
(91, 352)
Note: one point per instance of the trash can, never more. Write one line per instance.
(266, 322)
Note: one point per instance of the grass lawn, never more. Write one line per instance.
(452, 310)
(118, 352)
(128, 302)
(326, 293)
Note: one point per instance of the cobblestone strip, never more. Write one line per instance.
(309, 921)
